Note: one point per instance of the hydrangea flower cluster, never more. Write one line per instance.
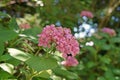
(64, 41)
(109, 31)
(87, 14)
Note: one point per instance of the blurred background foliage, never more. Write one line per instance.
(65, 12)
(99, 57)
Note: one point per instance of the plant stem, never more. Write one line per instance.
(112, 5)
(37, 51)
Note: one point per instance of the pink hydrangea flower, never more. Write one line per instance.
(24, 26)
(87, 14)
(64, 41)
(70, 61)
(109, 31)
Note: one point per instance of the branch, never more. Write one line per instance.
(112, 5)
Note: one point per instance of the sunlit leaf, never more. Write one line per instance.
(7, 67)
(20, 55)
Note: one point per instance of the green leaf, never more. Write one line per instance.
(103, 67)
(106, 47)
(116, 39)
(90, 64)
(32, 34)
(104, 35)
(105, 59)
(13, 24)
(7, 67)
(109, 75)
(99, 44)
(92, 77)
(44, 74)
(41, 63)
(14, 61)
(116, 71)
(91, 49)
(4, 75)
(66, 74)
(101, 78)
(5, 57)
(1, 48)
(32, 31)
(6, 35)
(17, 54)
(4, 14)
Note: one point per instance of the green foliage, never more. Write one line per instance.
(8, 35)
(66, 12)
(4, 75)
(44, 74)
(32, 33)
(4, 15)
(65, 74)
(100, 60)
(13, 24)
(5, 57)
(1, 48)
(22, 59)
(41, 63)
